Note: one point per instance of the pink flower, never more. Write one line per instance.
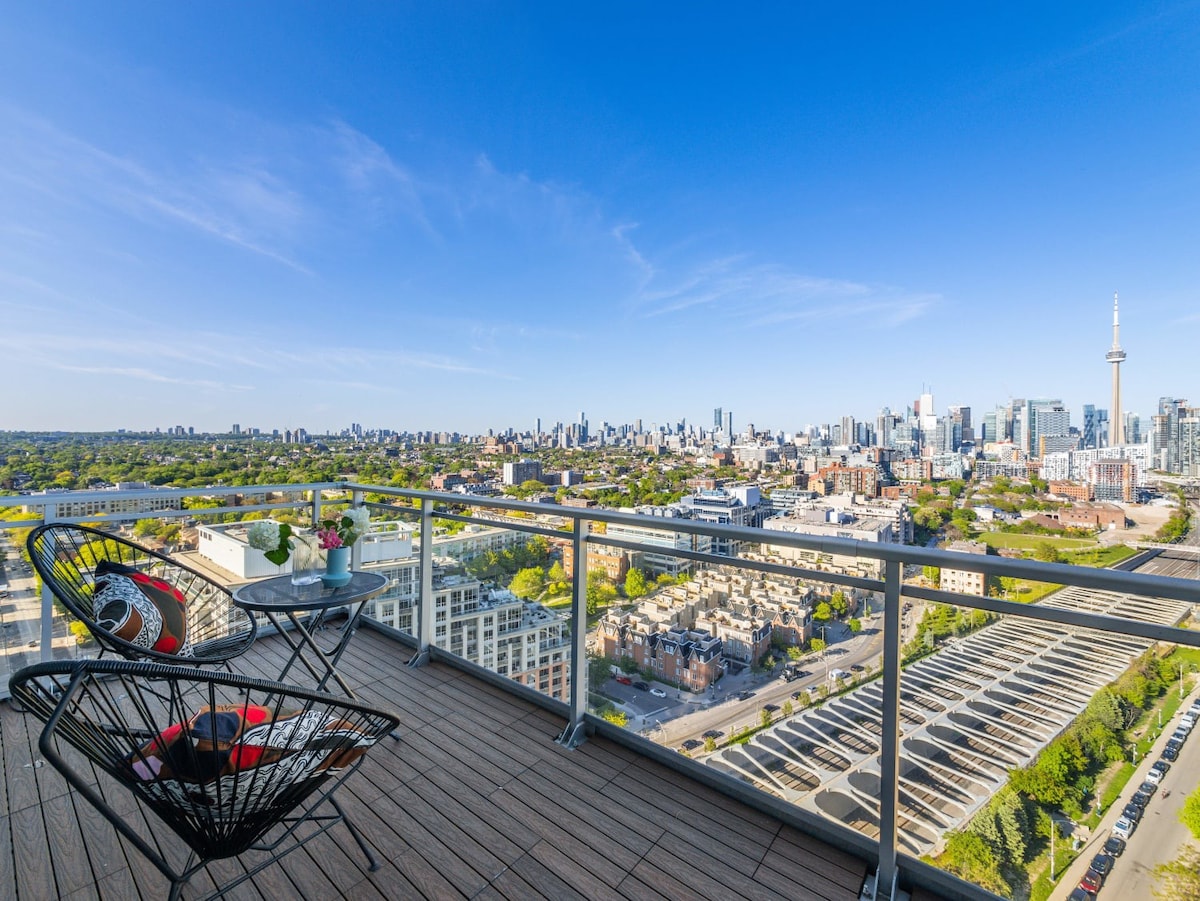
(329, 539)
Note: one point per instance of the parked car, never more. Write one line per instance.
(770, 708)
(1160, 766)
(1132, 812)
(1169, 752)
(1091, 881)
(1103, 864)
(1153, 778)
(713, 733)
(624, 680)
(1123, 827)
(745, 695)
(1081, 894)
(1180, 735)
(691, 744)
(658, 693)
(641, 686)
(1148, 787)
(1114, 846)
(1140, 798)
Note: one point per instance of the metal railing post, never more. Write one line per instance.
(356, 500)
(573, 734)
(425, 605)
(49, 515)
(889, 749)
(315, 509)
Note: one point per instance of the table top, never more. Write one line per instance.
(279, 595)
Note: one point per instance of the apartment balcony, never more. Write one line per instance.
(495, 790)
(476, 799)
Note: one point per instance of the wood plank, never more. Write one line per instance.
(69, 854)
(31, 854)
(578, 866)
(691, 881)
(8, 875)
(544, 881)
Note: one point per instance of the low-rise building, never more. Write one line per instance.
(965, 581)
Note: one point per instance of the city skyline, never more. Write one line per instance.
(463, 219)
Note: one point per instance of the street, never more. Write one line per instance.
(1158, 837)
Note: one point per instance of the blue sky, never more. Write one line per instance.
(463, 216)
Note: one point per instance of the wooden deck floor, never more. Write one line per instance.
(474, 801)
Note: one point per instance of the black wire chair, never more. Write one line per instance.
(68, 558)
(252, 769)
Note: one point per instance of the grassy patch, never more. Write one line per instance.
(1029, 542)
(1101, 556)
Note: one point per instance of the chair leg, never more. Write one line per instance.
(374, 864)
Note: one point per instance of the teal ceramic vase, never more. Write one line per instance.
(337, 567)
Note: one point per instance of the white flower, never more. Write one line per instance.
(361, 517)
(263, 535)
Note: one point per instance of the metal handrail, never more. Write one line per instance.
(580, 721)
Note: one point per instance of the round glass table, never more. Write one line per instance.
(282, 603)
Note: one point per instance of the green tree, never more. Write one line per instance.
(636, 584)
(970, 857)
(1189, 814)
(600, 591)
(824, 611)
(528, 583)
(1179, 880)
(855, 624)
(787, 708)
(145, 527)
(764, 717)
(710, 744)
(817, 644)
(1046, 552)
(599, 669)
(932, 574)
(556, 574)
(838, 602)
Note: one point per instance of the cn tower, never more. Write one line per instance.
(1116, 356)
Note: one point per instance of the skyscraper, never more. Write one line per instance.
(1116, 356)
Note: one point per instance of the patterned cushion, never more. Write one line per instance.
(225, 740)
(141, 609)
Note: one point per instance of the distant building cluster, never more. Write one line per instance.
(690, 634)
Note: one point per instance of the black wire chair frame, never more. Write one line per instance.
(66, 556)
(137, 723)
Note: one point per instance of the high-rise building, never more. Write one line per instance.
(729, 424)
(718, 419)
(1133, 429)
(1116, 356)
(1095, 428)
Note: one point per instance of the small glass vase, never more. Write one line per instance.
(337, 567)
(306, 560)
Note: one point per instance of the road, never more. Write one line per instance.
(1159, 835)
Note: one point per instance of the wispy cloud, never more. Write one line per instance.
(756, 295)
(147, 375)
(240, 203)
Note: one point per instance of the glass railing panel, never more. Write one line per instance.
(501, 598)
